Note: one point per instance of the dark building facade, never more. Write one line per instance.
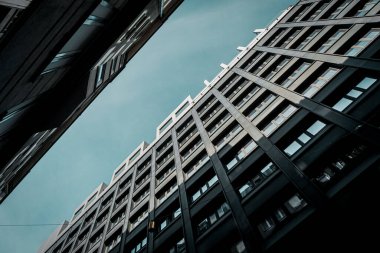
(278, 153)
(55, 58)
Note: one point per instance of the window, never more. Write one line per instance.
(338, 8)
(354, 93)
(209, 114)
(184, 126)
(139, 217)
(186, 153)
(170, 188)
(278, 120)
(197, 163)
(142, 194)
(304, 138)
(275, 69)
(257, 180)
(320, 7)
(295, 74)
(95, 239)
(111, 244)
(274, 37)
(245, 96)
(82, 237)
(106, 201)
(143, 166)
(187, 136)
(279, 214)
(230, 132)
(257, 107)
(166, 157)
(165, 173)
(100, 74)
(313, 33)
(168, 217)
(262, 63)
(218, 122)
(222, 88)
(206, 223)
(235, 89)
(299, 13)
(363, 42)
(163, 146)
(320, 82)
(117, 218)
(366, 8)
(139, 246)
(288, 38)
(122, 199)
(101, 218)
(251, 61)
(179, 247)
(347, 155)
(141, 180)
(204, 188)
(247, 148)
(336, 36)
(123, 184)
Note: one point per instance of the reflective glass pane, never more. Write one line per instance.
(342, 104)
(292, 148)
(316, 127)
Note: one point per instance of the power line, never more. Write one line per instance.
(30, 225)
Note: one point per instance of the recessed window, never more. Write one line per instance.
(331, 41)
(337, 8)
(320, 82)
(313, 32)
(365, 6)
(363, 42)
(295, 74)
(304, 138)
(354, 93)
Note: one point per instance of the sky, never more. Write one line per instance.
(187, 49)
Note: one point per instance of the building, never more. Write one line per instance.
(56, 57)
(278, 153)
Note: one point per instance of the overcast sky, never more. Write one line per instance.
(186, 50)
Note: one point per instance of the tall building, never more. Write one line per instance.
(55, 58)
(278, 153)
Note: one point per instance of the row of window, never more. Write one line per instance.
(308, 13)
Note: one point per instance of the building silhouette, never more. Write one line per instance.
(55, 58)
(278, 153)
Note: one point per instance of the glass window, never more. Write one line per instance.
(277, 68)
(363, 42)
(295, 203)
(295, 74)
(245, 189)
(213, 180)
(365, 9)
(316, 127)
(366, 83)
(306, 41)
(320, 82)
(339, 8)
(292, 148)
(278, 120)
(336, 36)
(354, 93)
(177, 213)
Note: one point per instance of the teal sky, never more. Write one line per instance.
(186, 50)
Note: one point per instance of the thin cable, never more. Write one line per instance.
(30, 225)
